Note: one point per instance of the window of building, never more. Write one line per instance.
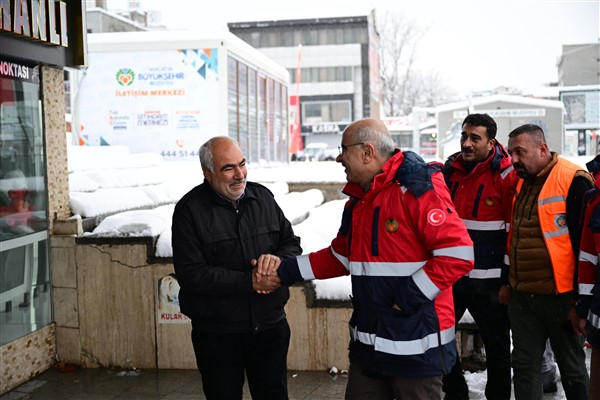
(322, 74)
(319, 112)
(243, 138)
(262, 118)
(256, 113)
(306, 35)
(232, 97)
(253, 115)
(24, 270)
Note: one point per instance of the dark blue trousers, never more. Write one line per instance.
(492, 321)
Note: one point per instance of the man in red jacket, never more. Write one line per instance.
(482, 181)
(588, 305)
(404, 246)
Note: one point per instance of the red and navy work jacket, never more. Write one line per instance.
(588, 306)
(483, 199)
(404, 246)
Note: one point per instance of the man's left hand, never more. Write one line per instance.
(572, 316)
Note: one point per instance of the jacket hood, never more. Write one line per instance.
(594, 165)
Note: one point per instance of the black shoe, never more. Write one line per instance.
(551, 388)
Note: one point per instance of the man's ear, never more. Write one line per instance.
(207, 174)
(368, 152)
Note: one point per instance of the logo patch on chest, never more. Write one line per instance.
(489, 202)
(391, 225)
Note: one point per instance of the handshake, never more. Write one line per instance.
(264, 273)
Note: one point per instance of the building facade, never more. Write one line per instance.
(582, 119)
(509, 112)
(335, 71)
(579, 64)
(36, 44)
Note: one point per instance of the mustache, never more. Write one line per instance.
(236, 181)
(518, 165)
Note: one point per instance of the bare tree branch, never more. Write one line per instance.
(404, 87)
(398, 42)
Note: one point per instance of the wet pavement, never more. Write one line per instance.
(74, 383)
(113, 384)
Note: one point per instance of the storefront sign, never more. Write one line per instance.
(44, 31)
(323, 128)
(44, 20)
(21, 72)
(505, 113)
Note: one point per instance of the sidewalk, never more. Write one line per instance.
(116, 384)
(167, 384)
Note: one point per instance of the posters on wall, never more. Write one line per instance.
(151, 101)
(168, 311)
(582, 108)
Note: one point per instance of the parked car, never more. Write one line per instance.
(316, 152)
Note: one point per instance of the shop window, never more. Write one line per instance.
(25, 303)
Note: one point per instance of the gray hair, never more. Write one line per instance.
(380, 139)
(206, 155)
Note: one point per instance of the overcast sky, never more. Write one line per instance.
(475, 45)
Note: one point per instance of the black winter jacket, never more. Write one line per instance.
(213, 243)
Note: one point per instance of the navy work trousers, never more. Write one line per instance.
(492, 321)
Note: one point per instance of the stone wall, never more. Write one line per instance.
(106, 302)
(26, 357)
(53, 93)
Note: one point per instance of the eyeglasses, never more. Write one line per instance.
(343, 147)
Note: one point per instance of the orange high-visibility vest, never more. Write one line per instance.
(552, 213)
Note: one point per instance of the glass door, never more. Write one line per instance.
(25, 300)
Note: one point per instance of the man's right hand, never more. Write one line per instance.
(264, 284)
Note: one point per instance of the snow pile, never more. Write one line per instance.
(137, 223)
(105, 180)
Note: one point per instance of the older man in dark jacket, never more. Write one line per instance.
(238, 322)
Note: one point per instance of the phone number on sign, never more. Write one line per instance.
(179, 153)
